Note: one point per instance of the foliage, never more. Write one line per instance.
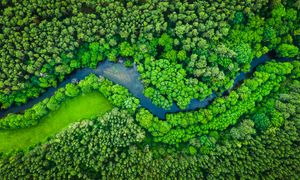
(91, 143)
(110, 148)
(183, 50)
(116, 94)
(42, 42)
(287, 50)
(161, 74)
(70, 111)
(224, 111)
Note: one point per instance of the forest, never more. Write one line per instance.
(225, 72)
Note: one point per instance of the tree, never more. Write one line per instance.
(243, 131)
(287, 50)
(182, 55)
(53, 104)
(262, 121)
(244, 53)
(238, 18)
(72, 90)
(278, 11)
(126, 50)
(166, 41)
(145, 118)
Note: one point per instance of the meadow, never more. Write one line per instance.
(72, 110)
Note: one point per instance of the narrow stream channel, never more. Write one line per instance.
(129, 78)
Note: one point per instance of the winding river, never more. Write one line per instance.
(129, 78)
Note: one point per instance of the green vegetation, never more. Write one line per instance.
(213, 42)
(116, 94)
(183, 50)
(67, 105)
(177, 88)
(181, 127)
(120, 154)
(72, 110)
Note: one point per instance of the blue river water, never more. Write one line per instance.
(130, 78)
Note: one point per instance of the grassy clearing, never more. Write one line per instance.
(72, 110)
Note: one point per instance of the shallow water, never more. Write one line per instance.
(129, 78)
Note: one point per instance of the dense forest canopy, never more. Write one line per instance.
(183, 50)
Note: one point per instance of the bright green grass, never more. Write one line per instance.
(72, 110)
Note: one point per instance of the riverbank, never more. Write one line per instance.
(130, 78)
